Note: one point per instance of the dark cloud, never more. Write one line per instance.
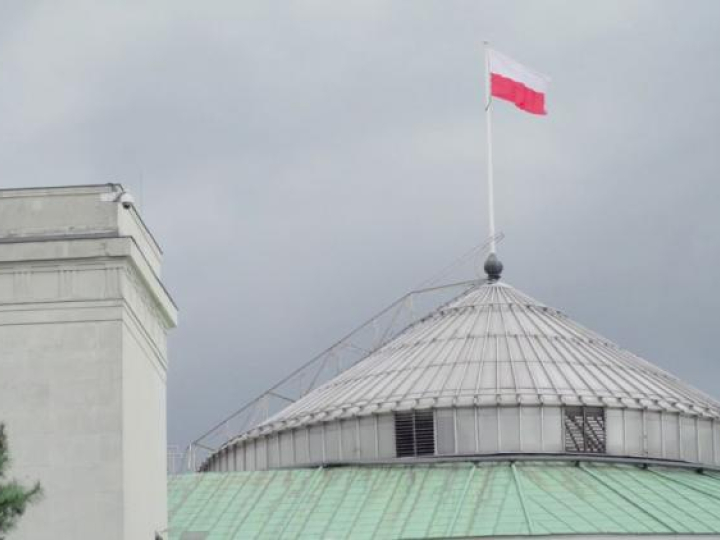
(304, 163)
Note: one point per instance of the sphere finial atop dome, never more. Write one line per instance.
(493, 267)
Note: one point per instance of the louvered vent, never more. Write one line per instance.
(585, 430)
(414, 433)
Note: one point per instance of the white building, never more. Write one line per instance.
(493, 416)
(83, 360)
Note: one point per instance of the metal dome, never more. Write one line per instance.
(492, 371)
(462, 500)
(497, 346)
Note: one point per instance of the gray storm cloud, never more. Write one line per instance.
(305, 163)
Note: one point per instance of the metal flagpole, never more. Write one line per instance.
(488, 124)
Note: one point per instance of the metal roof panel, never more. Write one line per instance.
(447, 500)
(496, 345)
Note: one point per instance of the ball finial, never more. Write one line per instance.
(493, 267)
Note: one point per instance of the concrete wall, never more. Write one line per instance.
(83, 323)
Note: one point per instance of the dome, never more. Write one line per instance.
(497, 346)
(492, 371)
(460, 500)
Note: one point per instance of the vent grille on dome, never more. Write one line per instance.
(414, 433)
(585, 430)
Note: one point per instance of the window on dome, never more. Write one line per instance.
(585, 430)
(414, 433)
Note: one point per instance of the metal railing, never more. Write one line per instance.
(345, 353)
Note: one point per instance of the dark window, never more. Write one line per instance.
(585, 430)
(414, 433)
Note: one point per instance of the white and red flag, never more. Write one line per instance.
(514, 82)
(526, 88)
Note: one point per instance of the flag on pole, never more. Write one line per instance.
(511, 81)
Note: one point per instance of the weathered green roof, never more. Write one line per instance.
(451, 500)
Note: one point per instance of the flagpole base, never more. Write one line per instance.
(493, 267)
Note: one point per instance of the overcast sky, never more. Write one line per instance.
(304, 163)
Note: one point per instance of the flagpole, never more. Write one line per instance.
(488, 124)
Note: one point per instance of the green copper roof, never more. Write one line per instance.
(451, 500)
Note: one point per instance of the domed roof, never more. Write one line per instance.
(494, 345)
(492, 500)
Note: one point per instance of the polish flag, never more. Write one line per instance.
(512, 81)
